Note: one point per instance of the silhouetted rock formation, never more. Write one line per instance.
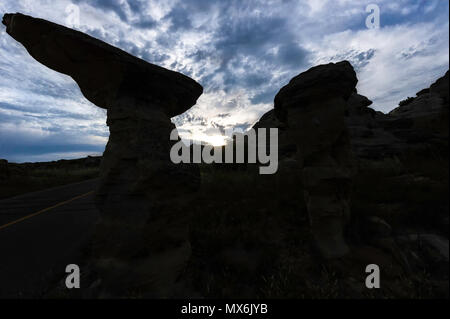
(141, 241)
(312, 110)
(411, 132)
(413, 128)
(411, 142)
(331, 145)
(400, 159)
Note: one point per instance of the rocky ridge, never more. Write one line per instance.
(398, 198)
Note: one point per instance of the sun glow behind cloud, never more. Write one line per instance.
(214, 140)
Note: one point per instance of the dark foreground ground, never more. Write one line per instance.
(238, 252)
(250, 234)
(251, 237)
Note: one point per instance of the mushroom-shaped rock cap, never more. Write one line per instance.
(104, 73)
(317, 84)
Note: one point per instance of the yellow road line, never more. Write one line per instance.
(45, 209)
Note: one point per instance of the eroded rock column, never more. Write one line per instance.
(313, 105)
(141, 242)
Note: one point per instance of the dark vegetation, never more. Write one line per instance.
(16, 179)
(250, 236)
(406, 101)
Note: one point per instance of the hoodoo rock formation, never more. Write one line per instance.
(331, 135)
(389, 170)
(313, 106)
(141, 241)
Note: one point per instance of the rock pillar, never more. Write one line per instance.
(141, 242)
(313, 105)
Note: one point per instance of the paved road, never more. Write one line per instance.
(41, 233)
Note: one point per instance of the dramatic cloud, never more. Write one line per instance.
(242, 52)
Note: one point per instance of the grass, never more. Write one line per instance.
(250, 237)
(250, 233)
(35, 179)
(235, 231)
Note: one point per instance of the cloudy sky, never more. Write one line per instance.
(242, 52)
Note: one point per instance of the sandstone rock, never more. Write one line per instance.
(321, 82)
(401, 175)
(425, 119)
(286, 148)
(408, 131)
(141, 241)
(313, 106)
(104, 73)
(403, 156)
